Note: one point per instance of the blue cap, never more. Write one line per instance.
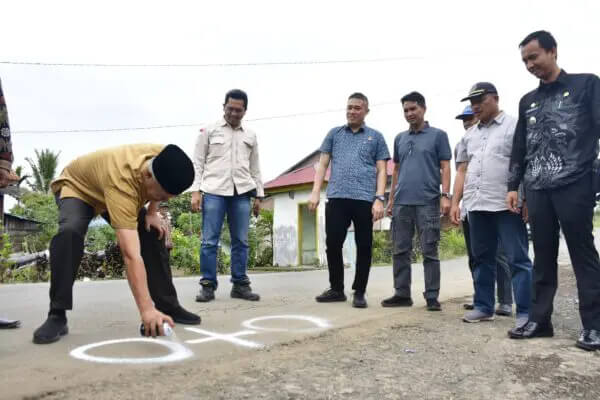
(467, 112)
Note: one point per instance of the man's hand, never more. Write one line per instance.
(389, 210)
(256, 207)
(455, 214)
(153, 322)
(196, 201)
(313, 201)
(153, 220)
(512, 201)
(445, 205)
(377, 210)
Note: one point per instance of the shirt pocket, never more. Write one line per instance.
(245, 149)
(217, 147)
(367, 151)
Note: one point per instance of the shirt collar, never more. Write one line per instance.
(425, 127)
(498, 120)
(224, 123)
(362, 128)
(561, 79)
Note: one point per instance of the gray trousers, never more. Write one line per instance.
(426, 218)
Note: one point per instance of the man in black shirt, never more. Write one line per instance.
(555, 144)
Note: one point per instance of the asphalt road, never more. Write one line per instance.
(105, 310)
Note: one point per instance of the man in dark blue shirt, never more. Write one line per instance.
(555, 144)
(421, 162)
(355, 194)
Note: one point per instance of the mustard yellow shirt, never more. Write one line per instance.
(109, 180)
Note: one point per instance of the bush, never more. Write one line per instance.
(382, 247)
(98, 237)
(5, 251)
(186, 252)
(452, 244)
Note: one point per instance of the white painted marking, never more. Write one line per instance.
(231, 338)
(318, 322)
(178, 352)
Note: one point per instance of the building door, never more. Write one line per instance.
(307, 235)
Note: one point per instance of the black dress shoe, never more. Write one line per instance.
(181, 316)
(9, 323)
(531, 330)
(330, 296)
(51, 330)
(433, 305)
(358, 300)
(589, 340)
(397, 301)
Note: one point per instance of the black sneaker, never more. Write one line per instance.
(244, 292)
(397, 301)
(330, 295)
(433, 305)
(206, 294)
(51, 330)
(181, 316)
(358, 300)
(589, 340)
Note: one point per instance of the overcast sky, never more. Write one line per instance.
(439, 48)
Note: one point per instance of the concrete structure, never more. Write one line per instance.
(299, 235)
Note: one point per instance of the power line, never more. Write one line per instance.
(144, 128)
(213, 65)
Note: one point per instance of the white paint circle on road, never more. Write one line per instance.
(178, 352)
(317, 322)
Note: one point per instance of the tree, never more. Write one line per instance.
(44, 169)
(19, 172)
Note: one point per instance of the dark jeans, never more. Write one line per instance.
(426, 218)
(503, 274)
(339, 213)
(487, 230)
(66, 251)
(571, 206)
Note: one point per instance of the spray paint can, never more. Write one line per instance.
(166, 329)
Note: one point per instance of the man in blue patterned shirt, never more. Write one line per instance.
(355, 193)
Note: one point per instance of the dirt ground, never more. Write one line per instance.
(413, 355)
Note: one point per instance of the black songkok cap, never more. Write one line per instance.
(173, 169)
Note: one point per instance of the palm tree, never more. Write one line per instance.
(19, 172)
(44, 169)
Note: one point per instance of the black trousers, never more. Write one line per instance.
(571, 209)
(66, 251)
(339, 213)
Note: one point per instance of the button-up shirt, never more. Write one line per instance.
(354, 157)
(419, 155)
(487, 148)
(226, 158)
(556, 140)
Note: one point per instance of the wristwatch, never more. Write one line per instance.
(447, 195)
(380, 197)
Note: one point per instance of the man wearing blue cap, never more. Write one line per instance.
(503, 276)
(116, 183)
